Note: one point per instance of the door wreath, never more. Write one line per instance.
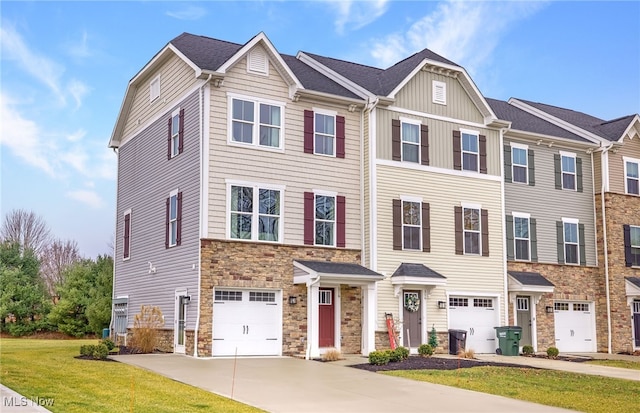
(411, 302)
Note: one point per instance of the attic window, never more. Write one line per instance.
(439, 92)
(257, 62)
(154, 89)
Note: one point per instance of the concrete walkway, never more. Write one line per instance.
(12, 402)
(294, 385)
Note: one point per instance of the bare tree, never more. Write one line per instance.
(55, 258)
(26, 228)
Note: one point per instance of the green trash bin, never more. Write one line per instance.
(508, 340)
(105, 333)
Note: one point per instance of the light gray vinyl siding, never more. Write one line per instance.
(630, 149)
(548, 205)
(145, 179)
(417, 95)
(440, 140)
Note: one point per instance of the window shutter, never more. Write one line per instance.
(169, 139)
(508, 176)
(533, 239)
(457, 151)
(397, 224)
(426, 227)
(628, 259)
(308, 131)
(458, 230)
(557, 171)
(127, 235)
(181, 132)
(424, 144)
(581, 243)
(510, 238)
(579, 174)
(341, 221)
(484, 223)
(179, 220)
(560, 241)
(532, 167)
(340, 143)
(166, 225)
(482, 139)
(309, 218)
(396, 146)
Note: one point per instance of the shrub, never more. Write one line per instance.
(527, 350)
(425, 350)
(332, 355)
(109, 343)
(86, 350)
(378, 358)
(145, 328)
(552, 352)
(394, 355)
(466, 353)
(404, 352)
(100, 352)
(433, 338)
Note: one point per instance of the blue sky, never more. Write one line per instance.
(65, 66)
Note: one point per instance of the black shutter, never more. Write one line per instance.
(628, 257)
(458, 230)
(308, 131)
(532, 168)
(426, 227)
(582, 246)
(579, 174)
(181, 132)
(484, 223)
(397, 224)
(557, 170)
(510, 237)
(457, 151)
(340, 132)
(483, 153)
(396, 146)
(508, 177)
(560, 241)
(424, 144)
(179, 220)
(127, 236)
(533, 237)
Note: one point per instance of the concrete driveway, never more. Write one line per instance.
(294, 385)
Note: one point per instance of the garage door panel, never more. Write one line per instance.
(477, 316)
(574, 326)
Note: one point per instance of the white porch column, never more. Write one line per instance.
(313, 320)
(369, 318)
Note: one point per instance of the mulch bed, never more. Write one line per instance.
(433, 363)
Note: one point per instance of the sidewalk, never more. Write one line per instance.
(12, 402)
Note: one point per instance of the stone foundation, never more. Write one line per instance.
(382, 341)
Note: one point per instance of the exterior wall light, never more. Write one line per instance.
(442, 305)
(293, 300)
(549, 309)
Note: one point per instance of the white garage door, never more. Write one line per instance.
(575, 326)
(478, 316)
(247, 323)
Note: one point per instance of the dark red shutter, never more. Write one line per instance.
(308, 131)
(426, 227)
(309, 218)
(484, 223)
(340, 143)
(179, 220)
(127, 234)
(169, 139)
(424, 144)
(457, 151)
(181, 132)
(396, 146)
(458, 230)
(341, 239)
(628, 257)
(166, 225)
(397, 224)
(483, 153)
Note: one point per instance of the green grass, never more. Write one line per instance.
(48, 369)
(554, 388)
(625, 364)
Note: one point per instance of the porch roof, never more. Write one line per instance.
(529, 281)
(417, 274)
(632, 286)
(307, 272)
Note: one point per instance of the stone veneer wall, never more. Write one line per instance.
(620, 210)
(571, 282)
(260, 265)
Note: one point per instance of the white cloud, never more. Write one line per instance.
(464, 32)
(190, 13)
(90, 198)
(81, 48)
(78, 90)
(77, 135)
(357, 14)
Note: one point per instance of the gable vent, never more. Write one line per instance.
(257, 62)
(439, 92)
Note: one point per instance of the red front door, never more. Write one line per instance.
(327, 318)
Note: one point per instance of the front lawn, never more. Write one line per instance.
(554, 388)
(625, 364)
(47, 369)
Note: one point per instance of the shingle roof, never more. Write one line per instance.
(327, 267)
(314, 80)
(524, 121)
(633, 280)
(416, 270)
(610, 130)
(530, 278)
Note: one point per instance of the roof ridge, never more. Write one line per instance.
(210, 38)
(560, 107)
(616, 119)
(344, 61)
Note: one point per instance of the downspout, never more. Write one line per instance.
(115, 241)
(604, 241)
(202, 137)
(504, 232)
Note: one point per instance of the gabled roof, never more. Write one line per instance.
(526, 122)
(205, 52)
(530, 278)
(633, 280)
(314, 80)
(416, 270)
(326, 267)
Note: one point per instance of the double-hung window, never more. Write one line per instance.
(255, 212)
(632, 175)
(470, 150)
(324, 133)
(568, 164)
(471, 229)
(571, 242)
(521, 237)
(519, 163)
(126, 244)
(175, 133)
(173, 218)
(154, 89)
(632, 246)
(410, 142)
(325, 220)
(411, 225)
(256, 122)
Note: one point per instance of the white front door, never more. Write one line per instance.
(180, 321)
(478, 317)
(575, 326)
(247, 323)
